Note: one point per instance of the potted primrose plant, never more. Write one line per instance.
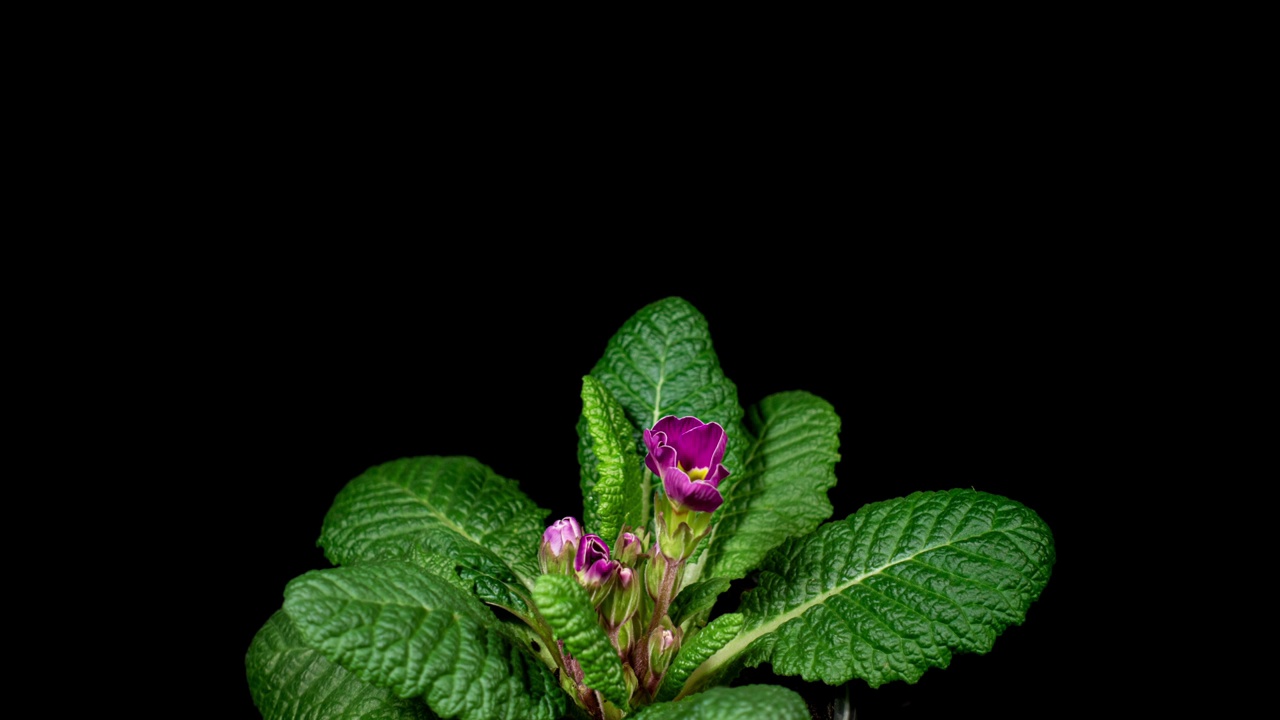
(453, 597)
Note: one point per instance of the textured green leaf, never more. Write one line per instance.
(378, 515)
(747, 702)
(481, 571)
(617, 497)
(568, 610)
(696, 650)
(396, 626)
(290, 681)
(441, 565)
(659, 363)
(697, 599)
(894, 589)
(782, 490)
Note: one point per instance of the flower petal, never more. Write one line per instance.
(591, 549)
(716, 475)
(674, 427)
(599, 571)
(701, 447)
(564, 530)
(700, 496)
(660, 458)
(654, 438)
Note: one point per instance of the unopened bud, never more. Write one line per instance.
(664, 643)
(627, 634)
(629, 677)
(622, 600)
(629, 548)
(654, 570)
(559, 546)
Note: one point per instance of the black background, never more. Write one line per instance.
(975, 368)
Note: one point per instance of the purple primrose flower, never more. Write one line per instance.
(686, 453)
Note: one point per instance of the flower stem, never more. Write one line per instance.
(666, 592)
(640, 649)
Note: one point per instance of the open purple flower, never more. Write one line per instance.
(593, 563)
(686, 453)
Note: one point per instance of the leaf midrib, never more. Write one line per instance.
(740, 643)
(431, 509)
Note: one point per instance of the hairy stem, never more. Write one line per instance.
(640, 648)
(666, 592)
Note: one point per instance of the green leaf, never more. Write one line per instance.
(659, 363)
(568, 610)
(480, 571)
(782, 490)
(696, 650)
(616, 498)
(396, 626)
(747, 702)
(697, 599)
(378, 515)
(290, 681)
(894, 589)
(437, 564)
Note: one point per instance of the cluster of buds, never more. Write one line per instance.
(632, 588)
(615, 583)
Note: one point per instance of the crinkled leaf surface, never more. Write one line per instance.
(290, 681)
(379, 514)
(697, 599)
(481, 571)
(661, 362)
(696, 650)
(747, 702)
(568, 610)
(397, 626)
(441, 565)
(894, 589)
(782, 491)
(617, 497)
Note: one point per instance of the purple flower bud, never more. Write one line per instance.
(559, 545)
(598, 573)
(593, 564)
(565, 530)
(687, 453)
(591, 550)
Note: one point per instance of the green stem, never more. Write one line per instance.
(666, 592)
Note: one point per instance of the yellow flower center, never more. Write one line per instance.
(697, 473)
